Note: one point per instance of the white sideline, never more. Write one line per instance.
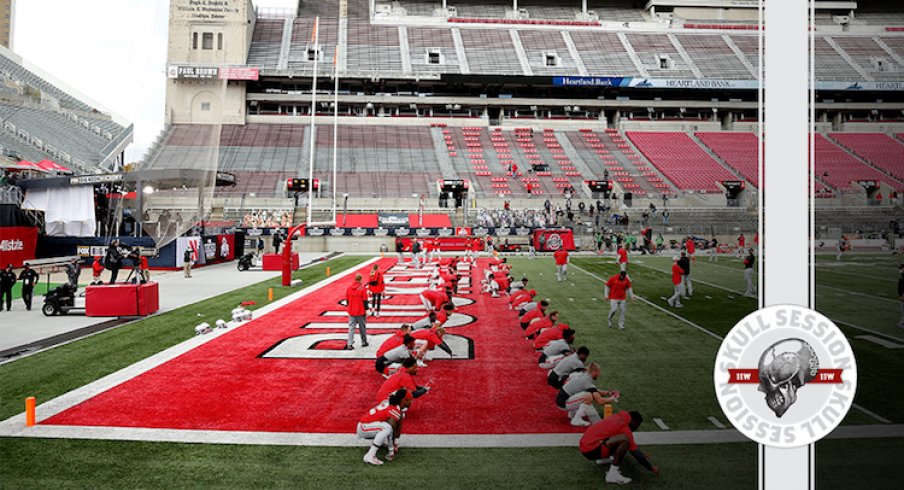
(13, 425)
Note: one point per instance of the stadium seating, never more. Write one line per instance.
(714, 57)
(838, 168)
(830, 65)
(491, 51)
(302, 44)
(649, 48)
(604, 53)
(420, 39)
(681, 160)
(739, 150)
(543, 47)
(880, 150)
(864, 52)
(266, 43)
(373, 48)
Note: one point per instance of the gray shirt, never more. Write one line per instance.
(579, 382)
(397, 354)
(556, 347)
(567, 365)
(421, 324)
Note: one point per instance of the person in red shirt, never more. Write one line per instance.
(376, 286)
(618, 289)
(356, 298)
(433, 299)
(691, 249)
(395, 340)
(560, 331)
(537, 312)
(678, 283)
(97, 269)
(561, 257)
(613, 437)
(442, 316)
(144, 269)
(426, 340)
(403, 378)
(383, 424)
(541, 323)
(622, 253)
(523, 298)
(391, 360)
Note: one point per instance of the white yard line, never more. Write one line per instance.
(858, 327)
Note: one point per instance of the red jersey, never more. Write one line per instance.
(97, 267)
(396, 382)
(391, 343)
(677, 274)
(561, 256)
(741, 241)
(441, 316)
(436, 298)
(548, 335)
(690, 246)
(518, 294)
(618, 289)
(611, 426)
(356, 294)
(622, 256)
(384, 412)
(501, 278)
(530, 315)
(537, 325)
(144, 263)
(429, 335)
(375, 283)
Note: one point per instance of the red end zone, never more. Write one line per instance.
(231, 383)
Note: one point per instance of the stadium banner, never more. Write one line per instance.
(590, 81)
(207, 72)
(445, 244)
(225, 247)
(692, 84)
(210, 249)
(867, 86)
(251, 74)
(552, 240)
(393, 219)
(189, 243)
(17, 244)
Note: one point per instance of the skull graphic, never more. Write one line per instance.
(784, 367)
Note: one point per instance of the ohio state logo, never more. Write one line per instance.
(785, 376)
(12, 245)
(554, 241)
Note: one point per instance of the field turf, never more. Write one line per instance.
(662, 364)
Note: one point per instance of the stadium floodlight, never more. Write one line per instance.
(148, 190)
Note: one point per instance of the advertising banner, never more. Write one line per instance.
(17, 244)
(444, 244)
(189, 243)
(225, 247)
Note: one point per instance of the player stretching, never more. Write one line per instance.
(561, 256)
(567, 365)
(613, 438)
(579, 393)
(383, 424)
(618, 288)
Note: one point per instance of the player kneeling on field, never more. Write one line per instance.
(383, 424)
(403, 378)
(553, 352)
(611, 439)
(579, 394)
(538, 312)
(390, 361)
(426, 340)
(567, 365)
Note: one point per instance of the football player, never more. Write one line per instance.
(383, 424)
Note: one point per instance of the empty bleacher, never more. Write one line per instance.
(547, 52)
(13, 70)
(491, 51)
(881, 150)
(739, 150)
(301, 47)
(650, 48)
(422, 41)
(838, 168)
(829, 64)
(604, 54)
(866, 53)
(373, 48)
(713, 56)
(681, 160)
(266, 42)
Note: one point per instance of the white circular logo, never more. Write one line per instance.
(785, 376)
(554, 242)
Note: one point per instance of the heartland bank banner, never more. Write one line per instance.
(710, 84)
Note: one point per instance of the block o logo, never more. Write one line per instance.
(554, 242)
(785, 376)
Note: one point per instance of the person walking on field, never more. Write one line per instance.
(8, 280)
(376, 285)
(561, 256)
(186, 263)
(356, 299)
(678, 283)
(29, 279)
(749, 261)
(618, 289)
(685, 265)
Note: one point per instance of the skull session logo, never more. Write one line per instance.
(785, 376)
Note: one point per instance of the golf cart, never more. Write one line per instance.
(62, 300)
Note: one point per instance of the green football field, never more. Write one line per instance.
(662, 363)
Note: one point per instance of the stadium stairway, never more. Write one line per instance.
(446, 168)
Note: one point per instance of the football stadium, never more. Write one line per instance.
(531, 217)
